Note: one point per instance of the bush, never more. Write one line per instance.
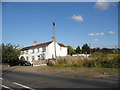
(52, 63)
(87, 64)
(14, 62)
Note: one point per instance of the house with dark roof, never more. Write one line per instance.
(43, 51)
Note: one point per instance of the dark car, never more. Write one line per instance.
(25, 63)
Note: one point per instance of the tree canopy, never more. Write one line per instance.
(10, 53)
(78, 50)
(86, 49)
(70, 50)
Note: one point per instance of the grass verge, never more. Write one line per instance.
(113, 71)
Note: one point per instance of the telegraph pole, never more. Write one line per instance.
(90, 48)
(54, 40)
(115, 49)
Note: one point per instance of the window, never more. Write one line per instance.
(60, 48)
(27, 58)
(38, 50)
(26, 51)
(38, 57)
(42, 56)
(33, 51)
(22, 52)
(32, 58)
(44, 49)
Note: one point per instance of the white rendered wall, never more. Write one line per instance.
(35, 54)
(60, 51)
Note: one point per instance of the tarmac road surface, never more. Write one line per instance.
(13, 80)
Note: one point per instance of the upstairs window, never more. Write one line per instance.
(33, 51)
(33, 58)
(44, 49)
(26, 51)
(37, 50)
(60, 48)
(22, 52)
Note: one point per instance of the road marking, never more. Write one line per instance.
(7, 87)
(23, 85)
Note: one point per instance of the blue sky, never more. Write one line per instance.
(76, 23)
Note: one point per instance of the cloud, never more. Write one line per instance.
(102, 5)
(91, 34)
(111, 32)
(95, 40)
(77, 18)
(101, 34)
(96, 34)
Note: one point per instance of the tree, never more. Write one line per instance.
(95, 50)
(70, 50)
(85, 49)
(78, 50)
(10, 54)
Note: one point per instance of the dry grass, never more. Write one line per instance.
(96, 60)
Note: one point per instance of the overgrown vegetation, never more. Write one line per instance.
(96, 59)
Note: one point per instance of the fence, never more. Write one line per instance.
(81, 55)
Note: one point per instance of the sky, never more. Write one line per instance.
(76, 23)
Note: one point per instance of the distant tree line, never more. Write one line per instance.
(85, 49)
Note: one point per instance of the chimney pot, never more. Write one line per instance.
(35, 43)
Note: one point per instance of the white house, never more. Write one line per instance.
(43, 51)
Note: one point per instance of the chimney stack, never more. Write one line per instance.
(35, 43)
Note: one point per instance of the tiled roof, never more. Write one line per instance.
(42, 44)
(62, 45)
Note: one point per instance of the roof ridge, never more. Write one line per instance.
(42, 44)
(46, 42)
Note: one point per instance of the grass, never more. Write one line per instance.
(112, 71)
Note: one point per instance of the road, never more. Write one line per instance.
(20, 80)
